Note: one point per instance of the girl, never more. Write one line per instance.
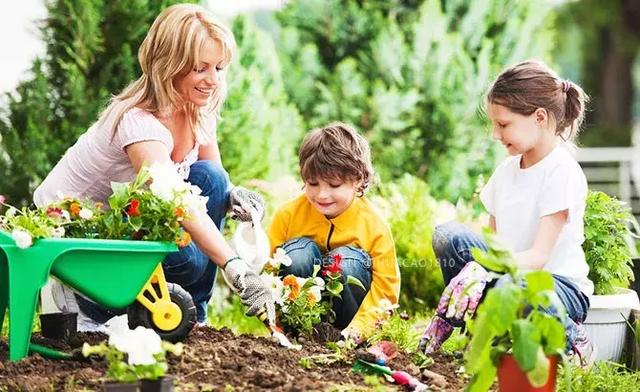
(535, 198)
(168, 115)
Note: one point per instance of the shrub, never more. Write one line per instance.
(607, 252)
(410, 211)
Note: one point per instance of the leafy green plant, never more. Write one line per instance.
(602, 377)
(396, 329)
(410, 211)
(511, 321)
(151, 207)
(606, 231)
(134, 354)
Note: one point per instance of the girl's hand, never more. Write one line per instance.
(463, 293)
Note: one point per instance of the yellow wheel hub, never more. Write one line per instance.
(154, 296)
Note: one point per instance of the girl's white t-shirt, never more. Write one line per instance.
(89, 166)
(518, 198)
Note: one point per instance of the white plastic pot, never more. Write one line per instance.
(606, 322)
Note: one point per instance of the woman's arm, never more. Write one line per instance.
(548, 231)
(202, 229)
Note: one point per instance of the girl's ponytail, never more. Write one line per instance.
(574, 106)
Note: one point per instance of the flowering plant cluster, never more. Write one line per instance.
(149, 208)
(304, 302)
(133, 354)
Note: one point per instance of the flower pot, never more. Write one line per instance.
(606, 322)
(163, 384)
(59, 325)
(116, 386)
(511, 378)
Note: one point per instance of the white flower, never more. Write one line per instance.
(66, 216)
(319, 281)
(315, 293)
(385, 306)
(11, 212)
(22, 238)
(140, 344)
(86, 213)
(275, 286)
(280, 258)
(58, 232)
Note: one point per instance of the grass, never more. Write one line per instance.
(602, 377)
(226, 310)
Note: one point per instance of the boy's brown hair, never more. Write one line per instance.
(336, 151)
(529, 85)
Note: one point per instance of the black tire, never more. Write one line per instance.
(139, 315)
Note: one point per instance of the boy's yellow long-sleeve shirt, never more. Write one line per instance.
(360, 225)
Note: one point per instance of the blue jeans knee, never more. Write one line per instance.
(355, 262)
(452, 243)
(304, 254)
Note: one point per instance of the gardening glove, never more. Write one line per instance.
(252, 291)
(242, 201)
(463, 294)
(437, 332)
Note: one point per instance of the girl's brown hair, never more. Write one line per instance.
(530, 85)
(336, 151)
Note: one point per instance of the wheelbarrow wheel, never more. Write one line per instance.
(138, 315)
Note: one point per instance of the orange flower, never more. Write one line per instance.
(180, 212)
(292, 282)
(183, 240)
(74, 209)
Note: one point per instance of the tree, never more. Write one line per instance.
(609, 42)
(410, 75)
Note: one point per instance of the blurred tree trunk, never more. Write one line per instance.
(611, 40)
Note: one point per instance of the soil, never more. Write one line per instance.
(215, 360)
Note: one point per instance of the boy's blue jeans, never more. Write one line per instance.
(189, 267)
(452, 244)
(305, 254)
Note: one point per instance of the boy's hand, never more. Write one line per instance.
(463, 293)
(242, 201)
(350, 334)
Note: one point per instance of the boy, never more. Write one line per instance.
(333, 225)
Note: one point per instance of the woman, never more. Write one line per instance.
(169, 115)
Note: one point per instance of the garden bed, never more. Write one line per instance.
(212, 360)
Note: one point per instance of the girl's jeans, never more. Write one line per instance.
(452, 244)
(305, 254)
(189, 267)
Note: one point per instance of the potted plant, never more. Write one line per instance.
(608, 249)
(511, 335)
(137, 359)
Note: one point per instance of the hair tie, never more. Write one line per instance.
(565, 85)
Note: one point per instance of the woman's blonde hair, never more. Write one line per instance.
(171, 50)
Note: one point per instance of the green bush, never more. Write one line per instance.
(607, 252)
(410, 211)
(410, 75)
(602, 377)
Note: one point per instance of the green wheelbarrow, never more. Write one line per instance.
(114, 273)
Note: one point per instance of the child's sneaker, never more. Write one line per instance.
(583, 350)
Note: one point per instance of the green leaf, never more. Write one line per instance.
(355, 281)
(539, 281)
(539, 375)
(526, 343)
(335, 287)
(482, 380)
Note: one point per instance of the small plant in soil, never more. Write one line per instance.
(134, 354)
(511, 321)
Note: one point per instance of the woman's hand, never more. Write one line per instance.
(252, 291)
(242, 201)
